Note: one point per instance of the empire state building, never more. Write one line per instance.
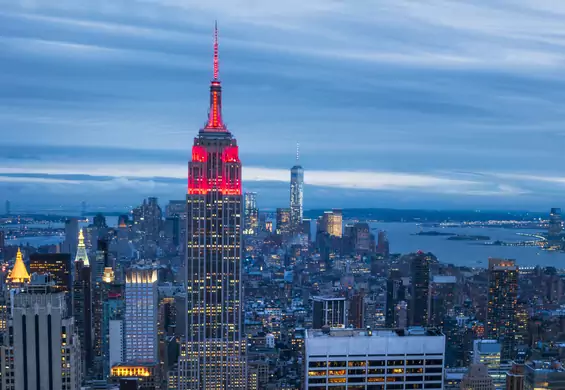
(214, 355)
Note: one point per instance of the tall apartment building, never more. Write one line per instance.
(329, 311)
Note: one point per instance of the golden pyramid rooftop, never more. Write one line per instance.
(19, 273)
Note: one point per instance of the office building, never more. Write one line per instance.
(555, 224)
(296, 195)
(420, 279)
(329, 311)
(56, 264)
(213, 260)
(443, 298)
(543, 375)
(46, 347)
(251, 226)
(487, 352)
(82, 304)
(356, 312)
(283, 221)
(331, 222)
(146, 375)
(395, 293)
(2, 244)
(70, 243)
(141, 299)
(371, 359)
(501, 307)
(113, 311)
(477, 378)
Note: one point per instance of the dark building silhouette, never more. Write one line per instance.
(420, 275)
(395, 293)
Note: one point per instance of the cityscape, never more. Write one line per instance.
(210, 290)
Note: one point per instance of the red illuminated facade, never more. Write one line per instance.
(214, 350)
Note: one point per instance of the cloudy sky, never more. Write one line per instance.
(395, 103)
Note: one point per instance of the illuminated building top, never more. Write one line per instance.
(81, 250)
(215, 122)
(19, 273)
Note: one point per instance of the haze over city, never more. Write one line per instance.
(408, 104)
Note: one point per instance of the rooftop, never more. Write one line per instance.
(341, 332)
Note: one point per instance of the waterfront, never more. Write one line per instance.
(467, 253)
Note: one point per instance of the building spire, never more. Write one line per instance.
(81, 250)
(215, 122)
(19, 273)
(216, 60)
(297, 153)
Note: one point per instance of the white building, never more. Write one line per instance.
(140, 320)
(371, 360)
(116, 342)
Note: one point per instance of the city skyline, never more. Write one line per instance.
(104, 103)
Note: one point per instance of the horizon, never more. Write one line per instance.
(100, 105)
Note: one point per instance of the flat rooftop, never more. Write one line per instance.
(341, 332)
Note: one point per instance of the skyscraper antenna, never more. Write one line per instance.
(297, 152)
(216, 61)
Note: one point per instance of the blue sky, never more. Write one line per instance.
(395, 103)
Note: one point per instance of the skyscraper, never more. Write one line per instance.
(477, 378)
(501, 306)
(251, 214)
(71, 234)
(214, 353)
(46, 347)
(82, 302)
(296, 195)
(332, 223)
(141, 316)
(420, 270)
(330, 311)
(283, 221)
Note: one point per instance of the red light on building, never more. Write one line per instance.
(199, 153)
(230, 154)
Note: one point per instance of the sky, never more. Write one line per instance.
(395, 103)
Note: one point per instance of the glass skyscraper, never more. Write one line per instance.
(296, 197)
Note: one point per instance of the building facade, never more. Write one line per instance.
(141, 300)
(214, 354)
(251, 226)
(329, 311)
(46, 347)
(501, 306)
(365, 359)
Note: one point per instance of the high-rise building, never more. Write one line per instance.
(501, 306)
(283, 221)
(477, 378)
(56, 264)
(419, 306)
(356, 312)
(329, 311)
(46, 347)
(443, 298)
(251, 226)
(296, 195)
(8, 208)
(369, 359)
(332, 223)
(214, 353)
(70, 243)
(82, 302)
(141, 301)
(395, 293)
(2, 244)
(555, 227)
(113, 333)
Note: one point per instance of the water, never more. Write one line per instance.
(36, 241)
(467, 253)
